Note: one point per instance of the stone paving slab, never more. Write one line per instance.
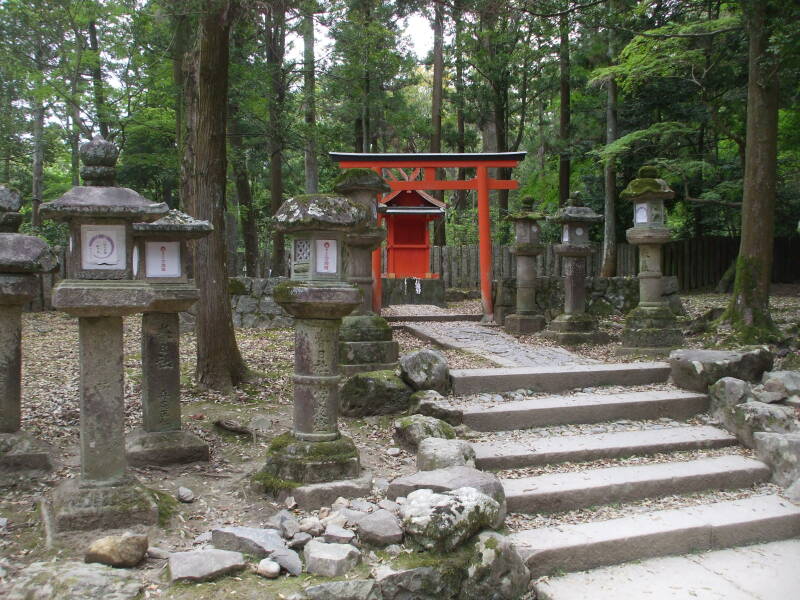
(512, 454)
(760, 572)
(493, 344)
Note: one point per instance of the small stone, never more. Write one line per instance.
(300, 539)
(392, 507)
(763, 395)
(290, 503)
(380, 485)
(340, 503)
(312, 525)
(268, 568)
(785, 383)
(380, 529)
(330, 560)
(496, 570)
(203, 565)
(338, 535)
(793, 492)
(324, 512)
(126, 550)
(284, 522)
(362, 505)
(410, 431)
(72, 580)
(158, 553)
(3, 524)
(781, 451)
(185, 495)
(393, 451)
(437, 453)
(393, 550)
(203, 538)
(356, 589)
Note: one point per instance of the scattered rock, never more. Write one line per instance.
(357, 589)
(394, 451)
(157, 553)
(261, 543)
(185, 495)
(426, 370)
(432, 404)
(3, 524)
(392, 507)
(374, 393)
(315, 495)
(312, 525)
(290, 503)
(793, 492)
(338, 535)
(443, 521)
(410, 431)
(782, 453)
(697, 369)
(72, 580)
(725, 395)
(330, 560)
(421, 583)
(284, 522)
(300, 539)
(764, 395)
(126, 550)
(496, 571)
(751, 417)
(380, 528)
(268, 568)
(451, 478)
(436, 453)
(204, 565)
(785, 383)
(340, 503)
(203, 538)
(362, 505)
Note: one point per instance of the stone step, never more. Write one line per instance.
(678, 531)
(595, 408)
(434, 318)
(552, 380)
(513, 454)
(557, 492)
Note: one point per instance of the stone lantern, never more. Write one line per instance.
(574, 325)
(318, 295)
(527, 233)
(160, 258)
(21, 257)
(651, 327)
(365, 339)
(100, 289)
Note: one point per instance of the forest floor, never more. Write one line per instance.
(225, 495)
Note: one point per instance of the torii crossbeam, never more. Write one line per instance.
(427, 166)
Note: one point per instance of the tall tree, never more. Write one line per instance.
(608, 267)
(310, 98)
(439, 231)
(564, 113)
(219, 363)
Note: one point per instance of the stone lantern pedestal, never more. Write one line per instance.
(100, 289)
(651, 327)
(574, 326)
(318, 296)
(21, 256)
(365, 339)
(160, 256)
(527, 247)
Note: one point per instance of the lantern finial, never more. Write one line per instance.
(99, 163)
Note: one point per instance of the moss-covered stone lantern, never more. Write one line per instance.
(527, 246)
(160, 258)
(318, 295)
(575, 325)
(21, 258)
(651, 327)
(100, 289)
(365, 339)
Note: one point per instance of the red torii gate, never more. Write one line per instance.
(427, 165)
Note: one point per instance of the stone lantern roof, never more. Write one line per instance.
(647, 186)
(20, 253)
(175, 224)
(99, 197)
(351, 180)
(529, 211)
(575, 212)
(321, 212)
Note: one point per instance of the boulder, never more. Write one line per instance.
(299, 540)
(762, 394)
(380, 528)
(268, 568)
(421, 583)
(126, 550)
(284, 522)
(432, 404)
(374, 393)
(752, 416)
(696, 370)
(725, 395)
(312, 525)
(451, 478)
(260, 543)
(444, 521)
(338, 535)
(426, 370)
(496, 570)
(330, 560)
(436, 453)
(357, 589)
(72, 580)
(411, 430)
(785, 383)
(781, 451)
(204, 565)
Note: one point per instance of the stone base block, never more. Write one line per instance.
(75, 508)
(360, 357)
(573, 323)
(654, 352)
(365, 328)
(663, 338)
(317, 495)
(21, 452)
(350, 370)
(164, 448)
(522, 324)
(576, 338)
(292, 462)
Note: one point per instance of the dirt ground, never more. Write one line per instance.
(225, 495)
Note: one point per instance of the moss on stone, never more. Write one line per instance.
(273, 485)
(355, 179)
(236, 287)
(748, 314)
(167, 506)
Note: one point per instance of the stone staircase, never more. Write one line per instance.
(604, 476)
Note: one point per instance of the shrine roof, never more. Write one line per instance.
(424, 195)
(468, 157)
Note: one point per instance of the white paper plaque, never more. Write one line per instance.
(565, 235)
(326, 256)
(102, 247)
(641, 213)
(162, 259)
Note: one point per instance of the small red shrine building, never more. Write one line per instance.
(408, 242)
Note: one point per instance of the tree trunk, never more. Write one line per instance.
(276, 47)
(97, 82)
(244, 194)
(309, 101)
(180, 46)
(38, 162)
(748, 311)
(608, 267)
(461, 144)
(439, 228)
(564, 111)
(219, 363)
